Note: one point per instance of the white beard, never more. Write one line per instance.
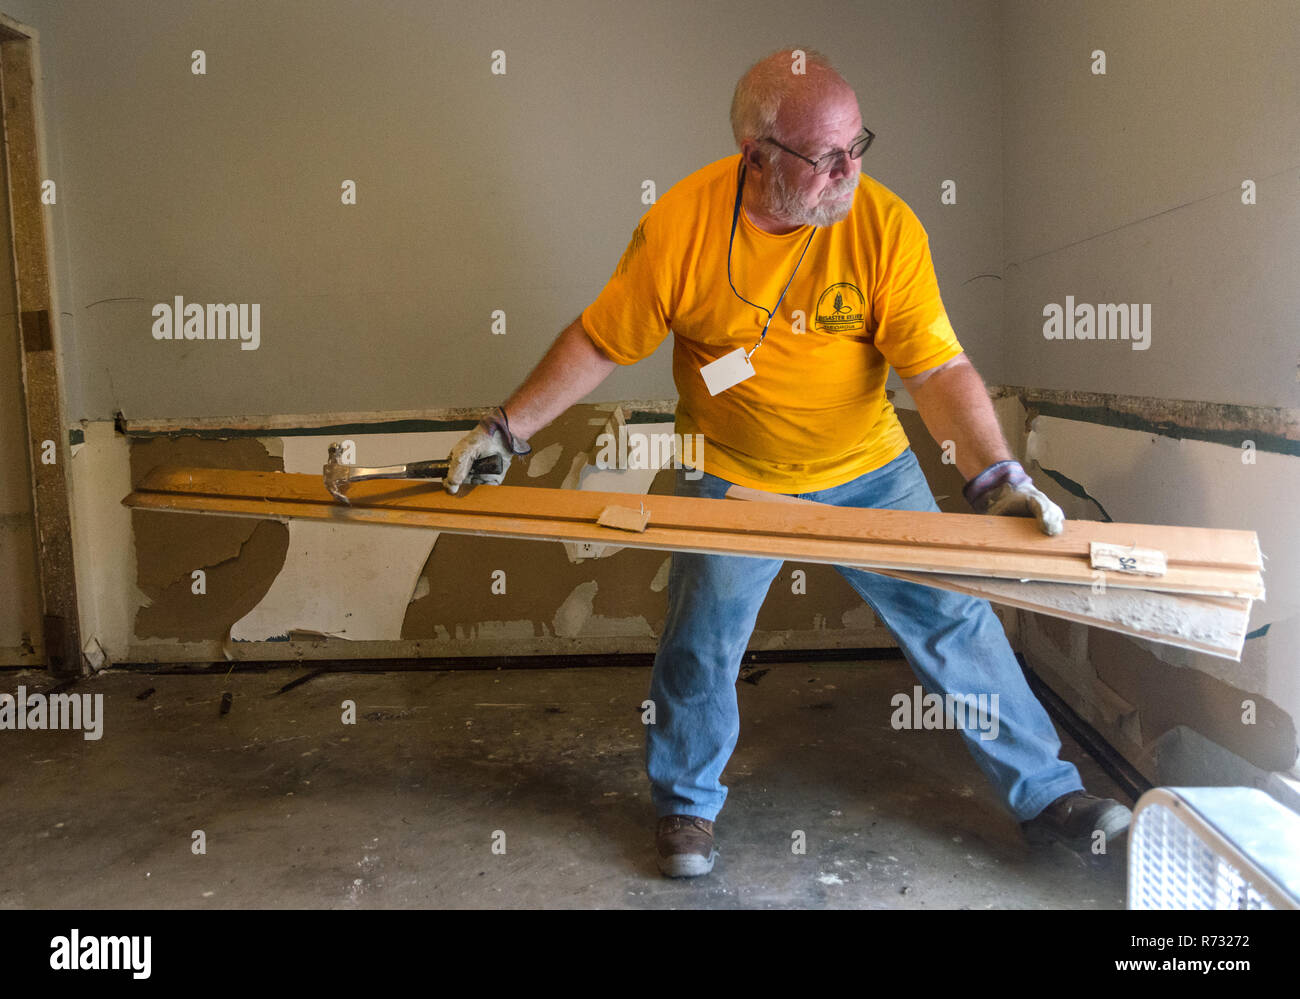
(787, 206)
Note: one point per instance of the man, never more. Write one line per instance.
(792, 282)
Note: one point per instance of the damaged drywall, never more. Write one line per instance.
(346, 581)
(339, 582)
(1136, 476)
(473, 581)
(230, 588)
(1145, 478)
(239, 558)
(400, 591)
(1270, 428)
(574, 591)
(1242, 721)
(577, 616)
(103, 541)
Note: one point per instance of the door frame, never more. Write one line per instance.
(48, 433)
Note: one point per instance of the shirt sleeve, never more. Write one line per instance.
(633, 314)
(912, 327)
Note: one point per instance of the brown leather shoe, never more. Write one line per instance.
(684, 844)
(1074, 818)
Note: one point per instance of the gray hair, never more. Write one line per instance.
(770, 83)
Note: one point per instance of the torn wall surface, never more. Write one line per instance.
(1247, 709)
(408, 596)
(557, 605)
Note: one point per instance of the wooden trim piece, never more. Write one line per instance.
(46, 426)
(275, 424)
(1271, 427)
(15, 30)
(1216, 626)
(918, 544)
(1185, 546)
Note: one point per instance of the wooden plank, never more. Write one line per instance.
(446, 513)
(1186, 546)
(259, 494)
(1026, 595)
(47, 433)
(363, 421)
(1216, 626)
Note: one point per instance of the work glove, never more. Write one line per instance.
(491, 436)
(1005, 489)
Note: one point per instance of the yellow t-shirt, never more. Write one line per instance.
(814, 415)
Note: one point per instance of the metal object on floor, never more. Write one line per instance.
(1213, 848)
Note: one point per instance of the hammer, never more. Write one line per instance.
(338, 477)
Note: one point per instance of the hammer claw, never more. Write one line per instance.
(339, 476)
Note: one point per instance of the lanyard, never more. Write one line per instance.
(735, 217)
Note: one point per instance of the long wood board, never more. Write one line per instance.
(1008, 548)
(1216, 626)
(999, 565)
(1184, 546)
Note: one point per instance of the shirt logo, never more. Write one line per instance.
(841, 309)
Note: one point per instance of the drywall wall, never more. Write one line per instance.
(478, 192)
(475, 191)
(1151, 158)
(1155, 461)
(1127, 188)
(272, 591)
(1139, 477)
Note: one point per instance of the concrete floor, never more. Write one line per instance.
(400, 809)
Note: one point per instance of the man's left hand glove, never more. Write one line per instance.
(1005, 489)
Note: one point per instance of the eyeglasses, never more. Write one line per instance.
(825, 164)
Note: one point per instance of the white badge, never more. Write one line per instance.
(726, 371)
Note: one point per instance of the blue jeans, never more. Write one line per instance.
(953, 642)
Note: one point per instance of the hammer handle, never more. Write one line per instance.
(437, 469)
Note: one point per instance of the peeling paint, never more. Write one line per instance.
(544, 460)
(240, 557)
(660, 582)
(233, 587)
(343, 580)
(170, 546)
(1146, 477)
(576, 610)
(342, 585)
(861, 616)
(502, 629)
